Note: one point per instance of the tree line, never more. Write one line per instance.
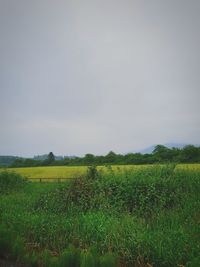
(160, 154)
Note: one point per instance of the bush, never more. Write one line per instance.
(10, 181)
(141, 217)
(92, 172)
(78, 194)
(142, 191)
(54, 201)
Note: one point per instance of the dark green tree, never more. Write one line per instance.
(89, 159)
(190, 154)
(162, 153)
(111, 157)
(51, 158)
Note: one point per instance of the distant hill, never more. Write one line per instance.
(150, 149)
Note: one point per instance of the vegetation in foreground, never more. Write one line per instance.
(148, 217)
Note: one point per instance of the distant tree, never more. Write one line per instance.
(162, 153)
(89, 159)
(190, 154)
(99, 160)
(7, 160)
(175, 154)
(129, 158)
(111, 157)
(18, 163)
(51, 158)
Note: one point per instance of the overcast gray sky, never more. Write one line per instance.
(93, 76)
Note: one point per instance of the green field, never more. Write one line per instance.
(76, 171)
(131, 217)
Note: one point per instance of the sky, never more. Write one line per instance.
(93, 76)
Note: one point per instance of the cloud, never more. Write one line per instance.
(78, 77)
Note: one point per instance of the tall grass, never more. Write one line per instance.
(148, 217)
(11, 181)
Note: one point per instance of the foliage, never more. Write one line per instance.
(92, 172)
(108, 260)
(87, 259)
(5, 240)
(69, 257)
(7, 160)
(50, 159)
(161, 154)
(10, 181)
(145, 217)
(141, 191)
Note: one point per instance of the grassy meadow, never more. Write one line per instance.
(140, 217)
(76, 171)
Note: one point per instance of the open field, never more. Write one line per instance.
(65, 171)
(76, 171)
(126, 218)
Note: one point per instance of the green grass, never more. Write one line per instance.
(144, 217)
(76, 171)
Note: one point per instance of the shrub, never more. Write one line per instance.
(140, 191)
(10, 181)
(54, 201)
(80, 193)
(92, 172)
(110, 213)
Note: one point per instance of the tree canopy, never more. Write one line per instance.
(161, 154)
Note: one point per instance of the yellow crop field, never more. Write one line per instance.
(50, 171)
(65, 171)
(75, 171)
(189, 167)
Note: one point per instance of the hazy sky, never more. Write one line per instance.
(92, 76)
